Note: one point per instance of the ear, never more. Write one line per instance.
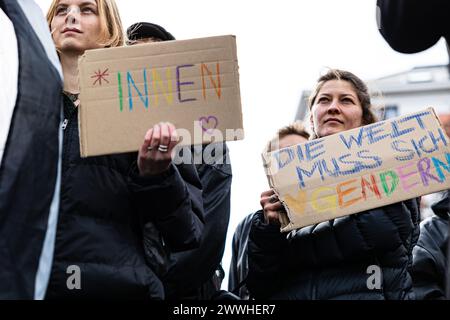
(313, 130)
(311, 121)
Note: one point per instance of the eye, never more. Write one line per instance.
(347, 100)
(61, 11)
(88, 10)
(323, 100)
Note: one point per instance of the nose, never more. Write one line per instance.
(72, 16)
(334, 106)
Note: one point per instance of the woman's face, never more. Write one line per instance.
(76, 26)
(336, 108)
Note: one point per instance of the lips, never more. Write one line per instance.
(333, 119)
(71, 30)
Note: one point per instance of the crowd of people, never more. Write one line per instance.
(139, 226)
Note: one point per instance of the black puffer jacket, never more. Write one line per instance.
(193, 274)
(430, 254)
(104, 205)
(331, 260)
(239, 258)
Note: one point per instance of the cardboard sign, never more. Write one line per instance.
(125, 91)
(360, 169)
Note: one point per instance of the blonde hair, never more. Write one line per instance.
(294, 128)
(111, 30)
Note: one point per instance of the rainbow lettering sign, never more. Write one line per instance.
(163, 82)
(360, 169)
(125, 91)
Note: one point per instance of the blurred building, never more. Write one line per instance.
(413, 90)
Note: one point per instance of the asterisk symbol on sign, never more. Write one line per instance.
(100, 75)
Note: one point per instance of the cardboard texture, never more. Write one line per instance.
(360, 169)
(125, 91)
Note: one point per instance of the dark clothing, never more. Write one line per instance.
(143, 30)
(239, 259)
(430, 254)
(413, 26)
(193, 274)
(331, 260)
(410, 27)
(104, 206)
(29, 167)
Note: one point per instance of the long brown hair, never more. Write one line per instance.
(360, 87)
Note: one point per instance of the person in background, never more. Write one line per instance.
(330, 260)
(412, 27)
(183, 276)
(106, 200)
(30, 144)
(146, 32)
(430, 269)
(428, 200)
(287, 136)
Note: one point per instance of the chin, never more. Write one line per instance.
(71, 47)
(329, 132)
(69, 43)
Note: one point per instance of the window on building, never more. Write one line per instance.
(389, 111)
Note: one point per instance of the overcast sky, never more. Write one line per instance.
(283, 46)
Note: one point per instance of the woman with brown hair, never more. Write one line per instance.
(335, 259)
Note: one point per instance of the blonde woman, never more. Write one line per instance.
(106, 200)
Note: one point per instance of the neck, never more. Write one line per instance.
(69, 63)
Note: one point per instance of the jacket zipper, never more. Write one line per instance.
(64, 125)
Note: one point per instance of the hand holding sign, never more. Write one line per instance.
(155, 154)
(271, 206)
